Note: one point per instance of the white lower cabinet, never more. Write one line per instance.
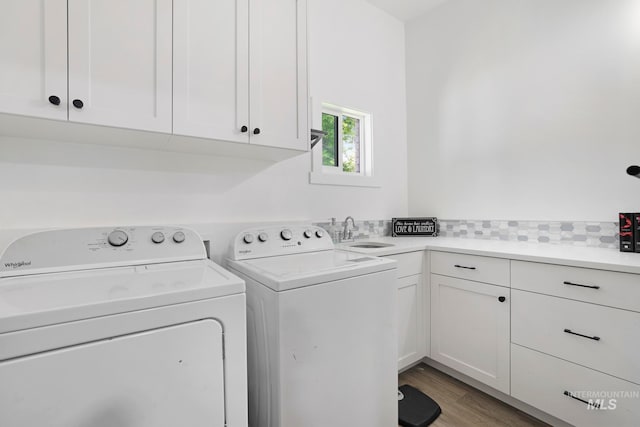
(409, 320)
(413, 329)
(561, 339)
(470, 329)
(591, 335)
(575, 343)
(573, 393)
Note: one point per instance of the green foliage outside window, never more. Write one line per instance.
(350, 130)
(350, 142)
(330, 140)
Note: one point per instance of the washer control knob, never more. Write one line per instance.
(248, 238)
(263, 237)
(308, 234)
(157, 237)
(286, 234)
(117, 238)
(319, 234)
(178, 237)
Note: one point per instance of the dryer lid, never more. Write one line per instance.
(66, 275)
(46, 299)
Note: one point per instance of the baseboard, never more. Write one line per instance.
(409, 366)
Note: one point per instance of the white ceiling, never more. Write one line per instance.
(406, 9)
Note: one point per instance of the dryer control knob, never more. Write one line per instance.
(248, 238)
(117, 238)
(319, 234)
(157, 237)
(178, 237)
(286, 234)
(308, 234)
(263, 237)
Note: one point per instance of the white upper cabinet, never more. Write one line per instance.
(240, 71)
(33, 58)
(278, 73)
(211, 69)
(222, 70)
(120, 63)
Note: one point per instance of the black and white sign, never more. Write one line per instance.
(414, 227)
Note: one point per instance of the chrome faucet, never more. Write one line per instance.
(347, 235)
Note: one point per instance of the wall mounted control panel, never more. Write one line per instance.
(279, 240)
(86, 248)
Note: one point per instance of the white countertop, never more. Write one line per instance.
(603, 259)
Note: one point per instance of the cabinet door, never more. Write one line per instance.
(278, 88)
(210, 69)
(470, 329)
(120, 63)
(33, 58)
(410, 320)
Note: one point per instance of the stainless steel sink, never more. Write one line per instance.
(370, 245)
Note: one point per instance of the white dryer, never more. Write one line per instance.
(322, 343)
(132, 327)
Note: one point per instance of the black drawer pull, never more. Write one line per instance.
(569, 331)
(582, 286)
(462, 266)
(594, 405)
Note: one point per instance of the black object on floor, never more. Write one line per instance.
(416, 409)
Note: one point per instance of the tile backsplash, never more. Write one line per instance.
(576, 233)
(368, 229)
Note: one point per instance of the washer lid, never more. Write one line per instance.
(294, 271)
(45, 299)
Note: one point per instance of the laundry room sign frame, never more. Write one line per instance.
(424, 226)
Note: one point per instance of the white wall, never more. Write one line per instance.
(49, 184)
(524, 109)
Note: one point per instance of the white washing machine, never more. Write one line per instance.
(132, 327)
(321, 327)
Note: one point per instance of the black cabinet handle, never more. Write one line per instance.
(78, 104)
(502, 299)
(244, 129)
(256, 131)
(582, 286)
(462, 266)
(54, 100)
(595, 405)
(569, 331)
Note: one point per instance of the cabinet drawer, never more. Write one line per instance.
(408, 264)
(610, 288)
(550, 324)
(472, 267)
(541, 381)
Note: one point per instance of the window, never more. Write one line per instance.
(345, 157)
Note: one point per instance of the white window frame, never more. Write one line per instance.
(332, 175)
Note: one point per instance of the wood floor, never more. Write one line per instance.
(463, 405)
